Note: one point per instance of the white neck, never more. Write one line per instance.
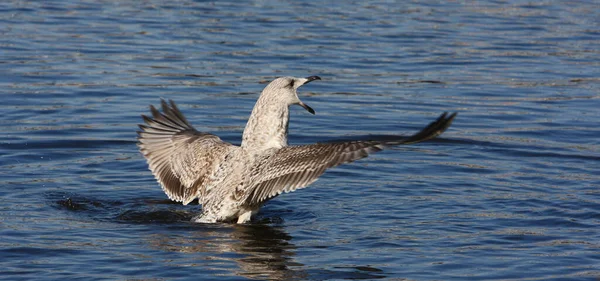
(267, 127)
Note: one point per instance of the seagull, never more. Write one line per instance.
(232, 182)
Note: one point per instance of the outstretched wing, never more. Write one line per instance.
(295, 167)
(180, 157)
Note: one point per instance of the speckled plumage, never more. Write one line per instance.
(233, 182)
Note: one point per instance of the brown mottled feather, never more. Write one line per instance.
(180, 157)
(295, 167)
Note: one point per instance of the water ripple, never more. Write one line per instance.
(510, 189)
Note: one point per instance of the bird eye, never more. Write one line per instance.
(291, 85)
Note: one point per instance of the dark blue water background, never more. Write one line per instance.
(510, 191)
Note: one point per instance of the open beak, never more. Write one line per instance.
(308, 108)
(308, 80)
(312, 78)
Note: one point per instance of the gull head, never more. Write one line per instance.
(284, 89)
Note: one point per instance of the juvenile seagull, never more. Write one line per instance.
(233, 182)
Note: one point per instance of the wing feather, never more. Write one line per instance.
(180, 157)
(295, 167)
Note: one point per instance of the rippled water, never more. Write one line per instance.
(510, 191)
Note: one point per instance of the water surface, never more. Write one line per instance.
(509, 192)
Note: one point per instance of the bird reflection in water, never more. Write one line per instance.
(259, 250)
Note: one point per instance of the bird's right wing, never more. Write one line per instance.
(295, 167)
(180, 157)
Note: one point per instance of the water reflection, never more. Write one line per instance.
(260, 251)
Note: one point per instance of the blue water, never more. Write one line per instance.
(509, 192)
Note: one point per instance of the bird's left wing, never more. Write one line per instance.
(296, 167)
